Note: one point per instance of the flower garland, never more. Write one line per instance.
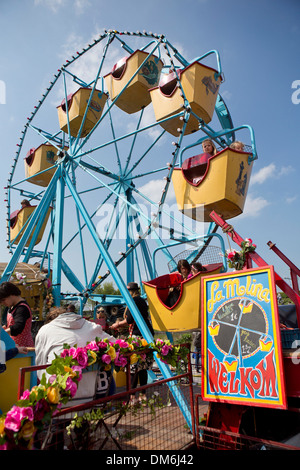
(237, 259)
(36, 407)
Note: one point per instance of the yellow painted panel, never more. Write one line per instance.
(200, 89)
(22, 216)
(9, 381)
(120, 378)
(186, 314)
(223, 188)
(38, 160)
(136, 95)
(77, 104)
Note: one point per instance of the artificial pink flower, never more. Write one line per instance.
(102, 344)
(65, 353)
(106, 358)
(231, 254)
(77, 369)
(81, 357)
(92, 346)
(41, 408)
(122, 343)
(165, 349)
(71, 386)
(25, 395)
(15, 416)
(120, 360)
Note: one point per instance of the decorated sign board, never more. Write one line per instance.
(241, 344)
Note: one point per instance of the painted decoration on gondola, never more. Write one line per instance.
(241, 344)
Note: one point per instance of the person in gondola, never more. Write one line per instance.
(197, 268)
(138, 371)
(209, 147)
(185, 270)
(25, 203)
(19, 315)
(238, 145)
(195, 167)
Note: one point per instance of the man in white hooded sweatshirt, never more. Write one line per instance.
(70, 328)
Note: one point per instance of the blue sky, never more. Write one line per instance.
(258, 42)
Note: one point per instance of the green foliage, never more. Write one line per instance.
(107, 288)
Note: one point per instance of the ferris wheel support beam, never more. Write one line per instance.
(58, 232)
(128, 299)
(39, 212)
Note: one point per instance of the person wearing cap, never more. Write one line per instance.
(138, 371)
(141, 304)
(19, 315)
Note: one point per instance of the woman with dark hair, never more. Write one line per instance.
(19, 316)
(184, 268)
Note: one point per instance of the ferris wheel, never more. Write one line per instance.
(96, 157)
(100, 156)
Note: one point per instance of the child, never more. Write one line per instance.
(197, 268)
(101, 318)
(238, 145)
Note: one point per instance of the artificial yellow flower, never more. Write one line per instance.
(133, 358)
(53, 395)
(71, 371)
(27, 430)
(112, 353)
(2, 420)
(36, 389)
(130, 346)
(92, 359)
(144, 342)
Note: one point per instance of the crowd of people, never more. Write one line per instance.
(64, 326)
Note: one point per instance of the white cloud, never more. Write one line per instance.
(55, 5)
(226, 95)
(291, 199)
(254, 206)
(263, 174)
(270, 171)
(153, 190)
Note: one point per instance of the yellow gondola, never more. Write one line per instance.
(9, 380)
(19, 218)
(200, 85)
(221, 185)
(185, 314)
(76, 104)
(38, 160)
(136, 94)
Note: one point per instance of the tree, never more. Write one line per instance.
(107, 288)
